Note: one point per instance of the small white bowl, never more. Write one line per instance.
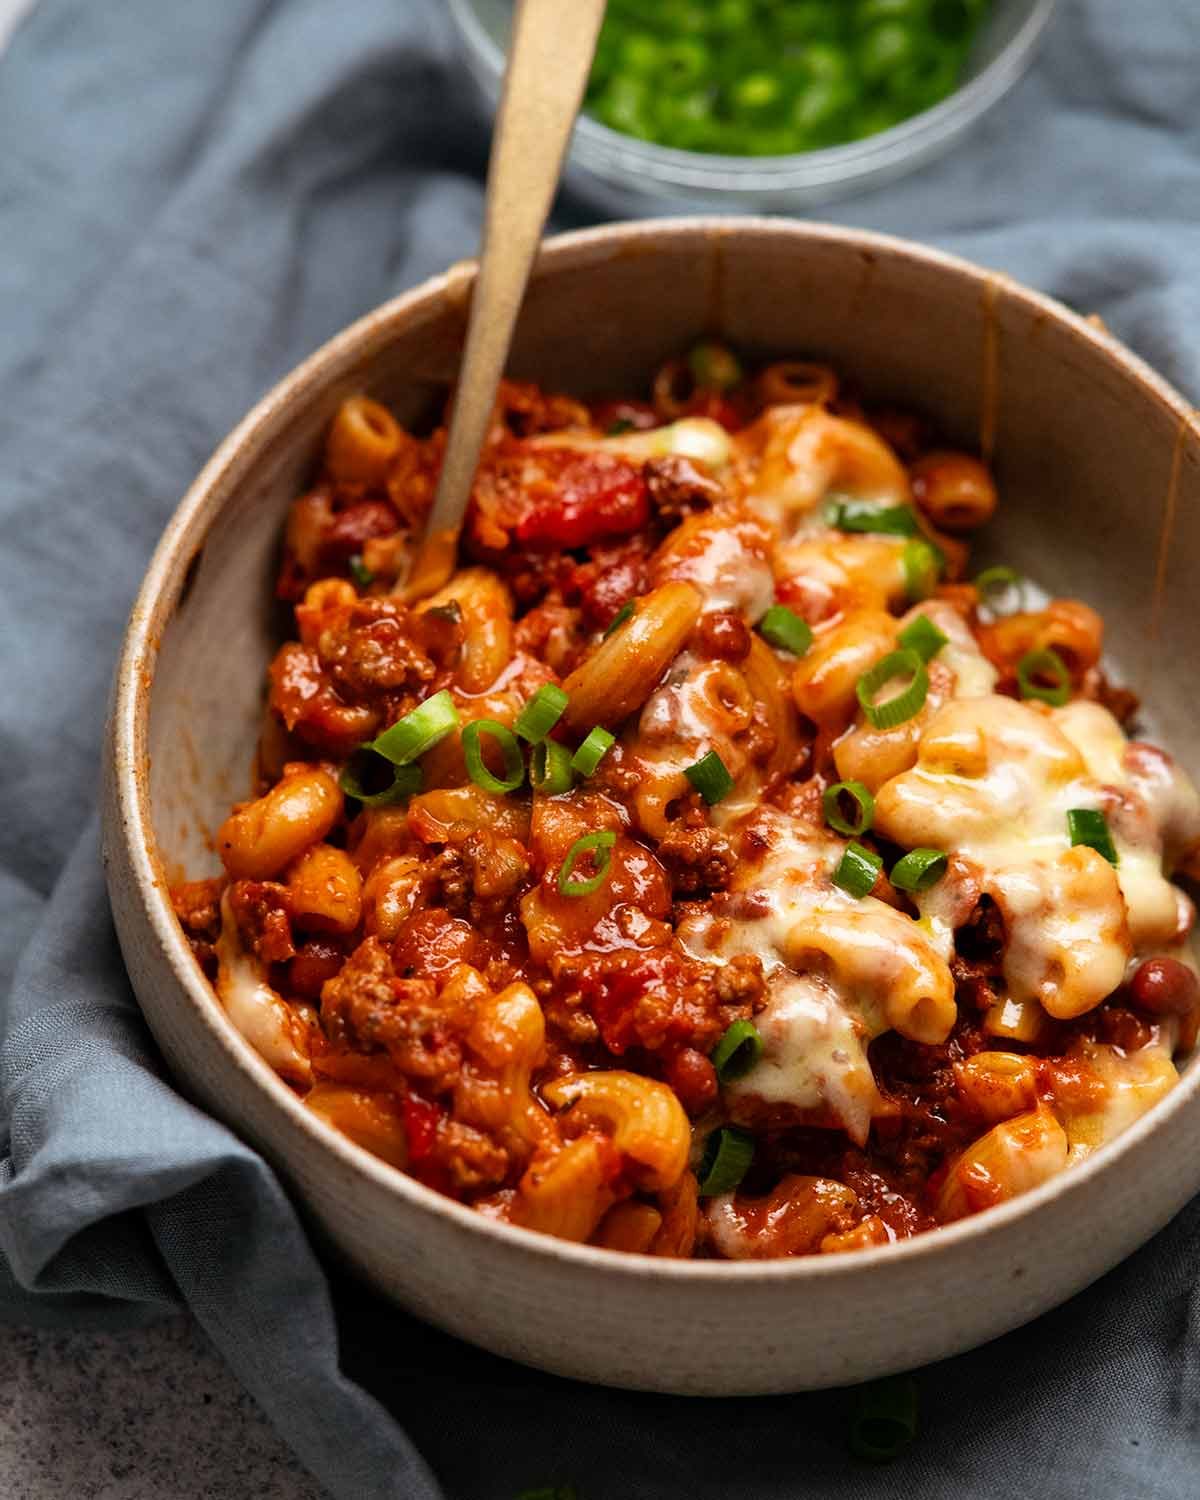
(628, 175)
(1087, 441)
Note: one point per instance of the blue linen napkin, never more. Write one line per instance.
(191, 199)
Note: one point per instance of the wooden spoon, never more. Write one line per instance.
(553, 42)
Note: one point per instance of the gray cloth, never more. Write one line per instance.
(192, 197)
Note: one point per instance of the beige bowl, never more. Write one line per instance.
(1099, 466)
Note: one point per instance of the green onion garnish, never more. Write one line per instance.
(922, 636)
(885, 1419)
(737, 1051)
(922, 569)
(617, 427)
(359, 769)
(550, 768)
(1033, 670)
(841, 818)
(514, 765)
(994, 583)
(599, 845)
(541, 713)
(783, 627)
(857, 870)
(593, 750)
(919, 869)
(728, 1153)
(714, 367)
(619, 618)
(854, 515)
(710, 777)
(1087, 826)
(410, 737)
(889, 712)
(359, 571)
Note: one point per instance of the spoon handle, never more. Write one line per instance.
(551, 53)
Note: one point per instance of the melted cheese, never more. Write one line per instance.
(994, 782)
(698, 438)
(1132, 1083)
(837, 969)
(974, 676)
(730, 567)
(258, 1012)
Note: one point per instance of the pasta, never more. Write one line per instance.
(709, 868)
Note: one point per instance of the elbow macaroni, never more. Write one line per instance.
(543, 1002)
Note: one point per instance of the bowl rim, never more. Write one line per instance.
(187, 531)
(910, 140)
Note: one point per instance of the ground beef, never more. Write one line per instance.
(368, 1007)
(263, 912)
(698, 858)
(660, 999)
(677, 487)
(371, 653)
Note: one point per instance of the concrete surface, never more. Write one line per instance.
(153, 1414)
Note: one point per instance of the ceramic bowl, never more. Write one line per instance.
(1098, 462)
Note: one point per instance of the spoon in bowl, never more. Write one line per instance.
(553, 43)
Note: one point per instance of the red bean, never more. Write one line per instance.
(724, 634)
(314, 963)
(1165, 987)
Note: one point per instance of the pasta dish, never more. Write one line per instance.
(716, 866)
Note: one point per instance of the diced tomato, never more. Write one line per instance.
(612, 995)
(608, 579)
(594, 495)
(421, 1120)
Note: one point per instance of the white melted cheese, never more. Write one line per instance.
(698, 438)
(974, 676)
(1133, 1083)
(730, 574)
(258, 1011)
(831, 961)
(994, 783)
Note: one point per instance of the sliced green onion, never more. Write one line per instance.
(737, 1051)
(885, 1419)
(359, 571)
(616, 428)
(410, 737)
(783, 627)
(994, 583)
(919, 869)
(599, 845)
(1089, 827)
(710, 777)
(901, 706)
(514, 764)
(854, 515)
(550, 768)
(714, 367)
(857, 870)
(356, 776)
(619, 618)
(922, 569)
(728, 1153)
(864, 807)
(541, 713)
(1032, 670)
(922, 636)
(593, 750)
